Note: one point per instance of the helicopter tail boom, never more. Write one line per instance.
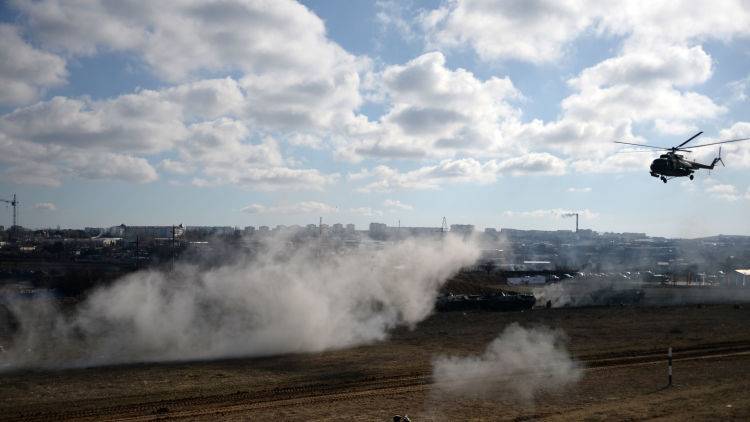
(713, 163)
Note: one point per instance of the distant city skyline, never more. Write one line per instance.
(461, 227)
(278, 112)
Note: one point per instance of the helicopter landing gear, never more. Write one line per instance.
(691, 177)
(664, 179)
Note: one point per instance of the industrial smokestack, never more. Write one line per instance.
(571, 214)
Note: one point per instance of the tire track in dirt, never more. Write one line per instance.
(296, 395)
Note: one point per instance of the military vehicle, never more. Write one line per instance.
(499, 301)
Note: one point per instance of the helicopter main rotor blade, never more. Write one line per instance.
(720, 142)
(643, 145)
(632, 151)
(628, 151)
(691, 138)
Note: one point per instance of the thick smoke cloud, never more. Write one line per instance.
(590, 292)
(520, 362)
(281, 300)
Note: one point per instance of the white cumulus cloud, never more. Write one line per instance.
(46, 206)
(435, 111)
(289, 83)
(579, 190)
(395, 204)
(305, 207)
(552, 213)
(649, 83)
(536, 31)
(26, 72)
(465, 170)
(723, 191)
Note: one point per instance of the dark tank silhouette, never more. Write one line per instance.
(500, 301)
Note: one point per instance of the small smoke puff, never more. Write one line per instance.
(522, 362)
(562, 294)
(46, 206)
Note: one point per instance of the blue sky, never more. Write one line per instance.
(499, 114)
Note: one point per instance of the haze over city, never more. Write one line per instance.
(372, 111)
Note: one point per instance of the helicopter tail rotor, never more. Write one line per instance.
(717, 160)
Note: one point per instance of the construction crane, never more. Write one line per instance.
(13, 202)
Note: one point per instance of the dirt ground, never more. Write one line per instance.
(622, 351)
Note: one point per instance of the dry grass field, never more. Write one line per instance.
(622, 351)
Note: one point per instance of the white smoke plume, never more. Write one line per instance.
(520, 362)
(278, 301)
(613, 292)
(590, 292)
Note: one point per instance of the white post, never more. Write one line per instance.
(670, 367)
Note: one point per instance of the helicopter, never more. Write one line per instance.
(672, 164)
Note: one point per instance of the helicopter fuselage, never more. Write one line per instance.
(672, 165)
(675, 165)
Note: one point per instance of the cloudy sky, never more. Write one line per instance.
(496, 113)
